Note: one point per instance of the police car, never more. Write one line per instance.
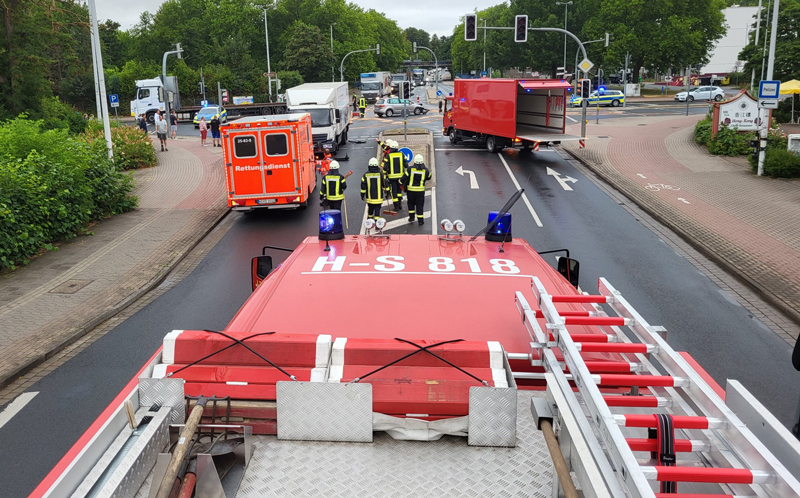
(210, 112)
(606, 97)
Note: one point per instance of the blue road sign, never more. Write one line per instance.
(769, 89)
(438, 93)
(408, 153)
(114, 99)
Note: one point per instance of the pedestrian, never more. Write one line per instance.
(355, 102)
(362, 107)
(372, 189)
(414, 180)
(331, 192)
(173, 123)
(143, 123)
(203, 130)
(214, 125)
(394, 167)
(325, 162)
(161, 130)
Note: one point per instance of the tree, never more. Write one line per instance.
(418, 35)
(308, 52)
(787, 43)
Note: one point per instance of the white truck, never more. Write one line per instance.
(150, 97)
(330, 110)
(376, 85)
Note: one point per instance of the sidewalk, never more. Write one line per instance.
(749, 225)
(61, 295)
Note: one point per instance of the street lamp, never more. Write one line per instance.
(333, 78)
(266, 36)
(566, 6)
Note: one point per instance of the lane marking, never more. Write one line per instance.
(459, 149)
(562, 181)
(683, 200)
(435, 223)
(524, 197)
(572, 119)
(15, 406)
(404, 221)
(641, 176)
(473, 182)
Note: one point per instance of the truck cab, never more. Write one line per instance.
(150, 96)
(329, 107)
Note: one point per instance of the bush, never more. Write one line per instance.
(729, 142)
(778, 163)
(702, 130)
(132, 148)
(58, 115)
(51, 186)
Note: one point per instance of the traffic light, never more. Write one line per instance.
(521, 29)
(471, 27)
(405, 89)
(414, 48)
(584, 88)
(202, 88)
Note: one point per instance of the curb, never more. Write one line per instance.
(705, 250)
(8, 377)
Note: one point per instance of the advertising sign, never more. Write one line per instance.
(242, 100)
(741, 113)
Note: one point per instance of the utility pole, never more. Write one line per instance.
(625, 79)
(100, 80)
(688, 86)
(266, 37)
(758, 28)
(203, 85)
(333, 78)
(566, 6)
(763, 114)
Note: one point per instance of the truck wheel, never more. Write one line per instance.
(343, 138)
(453, 138)
(491, 144)
(280, 110)
(389, 113)
(150, 117)
(266, 111)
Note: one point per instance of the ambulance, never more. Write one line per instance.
(269, 162)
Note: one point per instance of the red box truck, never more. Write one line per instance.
(507, 113)
(269, 161)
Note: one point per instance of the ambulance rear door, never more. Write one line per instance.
(245, 168)
(281, 165)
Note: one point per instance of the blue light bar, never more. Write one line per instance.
(502, 230)
(330, 225)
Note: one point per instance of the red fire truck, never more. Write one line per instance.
(494, 354)
(269, 161)
(507, 113)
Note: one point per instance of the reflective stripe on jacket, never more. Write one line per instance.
(415, 178)
(394, 165)
(362, 102)
(372, 185)
(333, 187)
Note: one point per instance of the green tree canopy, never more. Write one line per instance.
(787, 44)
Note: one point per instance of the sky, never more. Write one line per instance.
(435, 17)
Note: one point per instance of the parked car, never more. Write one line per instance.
(702, 93)
(391, 106)
(209, 113)
(606, 97)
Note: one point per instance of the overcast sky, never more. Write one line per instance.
(433, 16)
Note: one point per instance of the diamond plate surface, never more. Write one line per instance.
(492, 416)
(315, 411)
(389, 468)
(165, 392)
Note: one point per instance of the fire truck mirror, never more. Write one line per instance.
(260, 267)
(338, 116)
(570, 269)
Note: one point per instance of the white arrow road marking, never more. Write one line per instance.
(641, 176)
(473, 182)
(524, 197)
(683, 200)
(394, 223)
(562, 181)
(15, 406)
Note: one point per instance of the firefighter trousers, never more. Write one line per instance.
(397, 194)
(374, 211)
(362, 111)
(416, 205)
(334, 204)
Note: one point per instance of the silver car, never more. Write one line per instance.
(702, 93)
(390, 106)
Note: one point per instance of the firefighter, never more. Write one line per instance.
(362, 107)
(331, 192)
(372, 189)
(394, 167)
(325, 162)
(414, 180)
(355, 102)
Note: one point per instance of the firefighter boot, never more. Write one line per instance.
(421, 221)
(410, 216)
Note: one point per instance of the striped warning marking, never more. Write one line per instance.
(15, 407)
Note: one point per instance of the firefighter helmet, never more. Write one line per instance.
(373, 161)
(418, 159)
(334, 165)
(393, 144)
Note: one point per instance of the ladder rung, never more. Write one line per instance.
(539, 313)
(593, 337)
(579, 298)
(615, 347)
(598, 320)
(681, 445)
(597, 367)
(678, 421)
(636, 401)
(706, 474)
(640, 380)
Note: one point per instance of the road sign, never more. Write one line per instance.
(438, 93)
(408, 153)
(270, 75)
(114, 99)
(769, 90)
(585, 65)
(204, 103)
(768, 103)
